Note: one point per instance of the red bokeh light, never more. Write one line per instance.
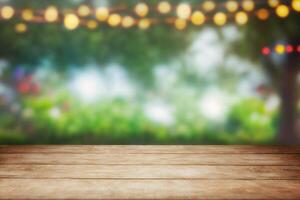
(289, 48)
(298, 48)
(266, 51)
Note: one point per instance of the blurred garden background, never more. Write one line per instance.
(149, 72)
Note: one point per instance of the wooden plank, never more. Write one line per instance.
(133, 149)
(149, 172)
(152, 159)
(148, 189)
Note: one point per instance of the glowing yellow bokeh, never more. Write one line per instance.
(84, 11)
(164, 7)
(248, 5)
(92, 24)
(279, 48)
(263, 14)
(21, 28)
(114, 20)
(198, 18)
(180, 24)
(144, 24)
(232, 6)
(71, 21)
(183, 11)
(27, 14)
(127, 21)
(7, 12)
(273, 3)
(296, 5)
(102, 13)
(220, 18)
(141, 9)
(51, 14)
(241, 18)
(282, 11)
(209, 6)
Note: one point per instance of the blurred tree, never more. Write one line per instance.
(282, 70)
(103, 45)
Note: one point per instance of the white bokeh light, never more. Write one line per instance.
(117, 81)
(159, 112)
(214, 105)
(55, 112)
(94, 84)
(206, 52)
(272, 103)
(88, 86)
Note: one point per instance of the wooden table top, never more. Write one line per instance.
(149, 172)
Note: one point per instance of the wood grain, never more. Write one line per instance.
(150, 172)
(148, 189)
(150, 149)
(152, 159)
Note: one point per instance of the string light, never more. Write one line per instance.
(141, 9)
(289, 48)
(198, 18)
(263, 14)
(180, 24)
(220, 18)
(183, 11)
(282, 11)
(21, 28)
(266, 51)
(296, 5)
(232, 6)
(84, 11)
(102, 13)
(27, 14)
(279, 49)
(114, 20)
(51, 14)
(241, 18)
(273, 3)
(71, 21)
(144, 24)
(248, 5)
(7, 12)
(209, 6)
(92, 24)
(127, 21)
(164, 7)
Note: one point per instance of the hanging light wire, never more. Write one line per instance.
(235, 11)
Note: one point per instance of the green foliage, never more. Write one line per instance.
(121, 122)
(64, 48)
(251, 121)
